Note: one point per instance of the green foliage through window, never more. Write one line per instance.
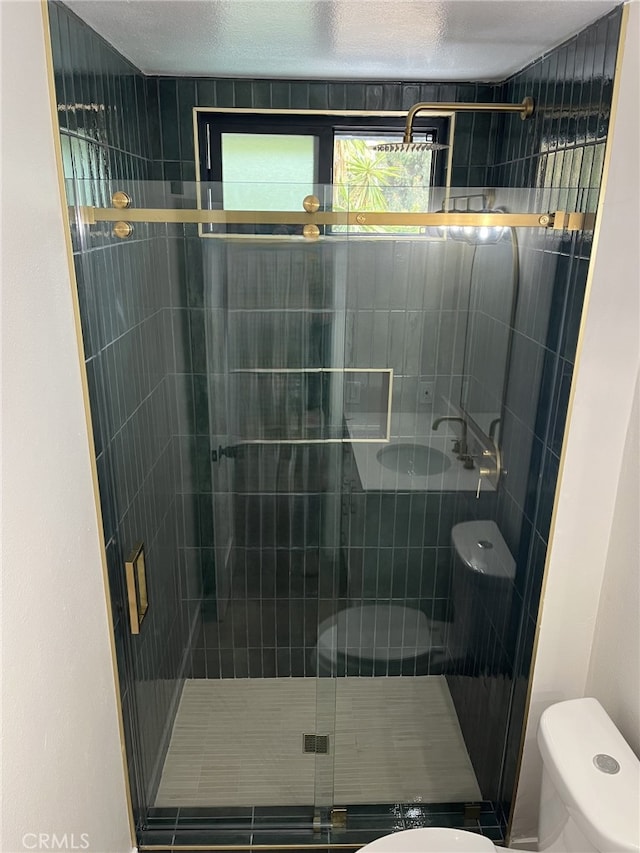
(377, 181)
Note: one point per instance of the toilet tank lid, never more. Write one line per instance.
(431, 839)
(480, 546)
(604, 805)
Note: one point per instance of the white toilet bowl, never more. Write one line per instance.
(432, 840)
(375, 639)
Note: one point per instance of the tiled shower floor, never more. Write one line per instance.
(238, 742)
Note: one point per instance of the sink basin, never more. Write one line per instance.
(419, 460)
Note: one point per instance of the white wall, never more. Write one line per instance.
(614, 670)
(61, 767)
(595, 457)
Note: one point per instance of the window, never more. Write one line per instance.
(366, 178)
(272, 161)
(267, 171)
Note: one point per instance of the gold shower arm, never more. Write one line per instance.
(525, 109)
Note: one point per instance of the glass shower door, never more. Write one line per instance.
(275, 357)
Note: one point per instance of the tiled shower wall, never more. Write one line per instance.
(475, 145)
(560, 152)
(293, 597)
(565, 148)
(126, 293)
(306, 536)
(406, 309)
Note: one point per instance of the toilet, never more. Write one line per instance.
(589, 797)
(395, 639)
(373, 639)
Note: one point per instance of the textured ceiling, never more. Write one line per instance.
(443, 40)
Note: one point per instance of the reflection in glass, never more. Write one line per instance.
(492, 295)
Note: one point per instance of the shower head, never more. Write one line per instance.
(410, 146)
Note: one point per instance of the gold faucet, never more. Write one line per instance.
(461, 446)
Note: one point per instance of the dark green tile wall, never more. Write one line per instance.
(560, 152)
(564, 151)
(127, 292)
(474, 151)
(225, 648)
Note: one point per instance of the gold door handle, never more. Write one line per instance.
(136, 577)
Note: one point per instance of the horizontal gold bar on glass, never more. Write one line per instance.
(559, 220)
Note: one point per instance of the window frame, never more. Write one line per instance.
(211, 123)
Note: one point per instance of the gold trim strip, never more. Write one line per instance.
(558, 220)
(312, 370)
(570, 408)
(260, 441)
(318, 370)
(438, 111)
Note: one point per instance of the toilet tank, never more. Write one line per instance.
(590, 796)
(481, 589)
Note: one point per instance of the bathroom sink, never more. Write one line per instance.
(416, 459)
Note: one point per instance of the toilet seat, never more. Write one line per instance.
(372, 640)
(431, 840)
(375, 632)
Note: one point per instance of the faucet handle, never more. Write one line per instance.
(456, 445)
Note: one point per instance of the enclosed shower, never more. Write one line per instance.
(344, 411)
(328, 372)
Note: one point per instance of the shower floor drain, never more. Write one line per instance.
(318, 744)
